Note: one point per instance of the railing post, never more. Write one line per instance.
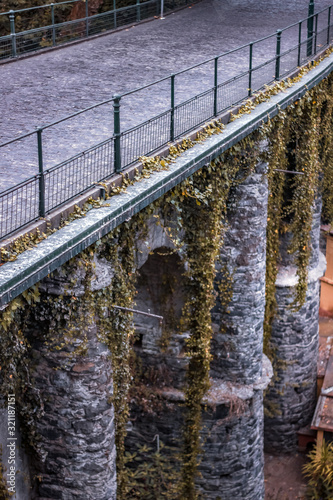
(138, 13)
(299, 43)
(310, 28)
(278, 52)
(315, 35)
(87, 20)
(12, 31)
(53, 27)
(41, 174)
(329, 26)
(250, 69)
(172, 118)
(216, 60)
(116, 132)
(114, 14)
(162, 9)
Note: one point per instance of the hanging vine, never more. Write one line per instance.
(116, 329)
(326, 148)
(276, 157)
(202, 239)
(203, 209)
(300, 139)
(304, 187)
(15, 362)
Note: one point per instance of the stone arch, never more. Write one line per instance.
(156, 235)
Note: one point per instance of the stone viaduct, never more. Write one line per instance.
(98, 384)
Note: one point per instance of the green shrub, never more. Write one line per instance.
(319, 470)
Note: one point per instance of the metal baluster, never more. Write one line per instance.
(329, 26)
(116, 132)
(315, 35)
(12, 31)
(310, 28)
(278, 52)
(162, 9)
(172, 119)
(87, 16)
(299, 43)
(114, 14)
(53, 27)
(138, 9)
(216, 60)
(41, 174)
(250, 69)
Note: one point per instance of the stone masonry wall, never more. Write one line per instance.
(233, 450)
(160, 290)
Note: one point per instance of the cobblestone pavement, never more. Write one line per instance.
(51, 85)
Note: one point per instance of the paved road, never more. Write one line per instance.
(50, 85)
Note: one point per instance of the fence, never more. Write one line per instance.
(57, 33)
(260, 62)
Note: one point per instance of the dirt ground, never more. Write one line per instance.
(283, 477)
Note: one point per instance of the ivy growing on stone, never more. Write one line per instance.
(299, 138)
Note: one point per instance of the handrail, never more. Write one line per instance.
(16, 11)
(114, 154)
(17, 43)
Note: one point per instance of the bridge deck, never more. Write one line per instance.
(50, 85)
(31, 266)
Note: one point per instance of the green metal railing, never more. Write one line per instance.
(258, 63)
(15, 43)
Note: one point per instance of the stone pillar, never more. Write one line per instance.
(76, 447)
(238, 341)
(234, 446)
(231, 465)
(290, 400)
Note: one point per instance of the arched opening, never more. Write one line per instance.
(160, 345)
